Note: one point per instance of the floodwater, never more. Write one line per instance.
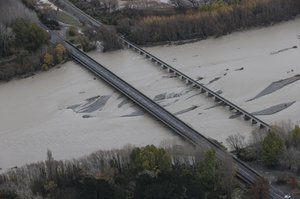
(71, 112)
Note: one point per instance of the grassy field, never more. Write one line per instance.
(68, 19)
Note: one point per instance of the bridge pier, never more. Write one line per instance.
(188, 82)
(217, 99)
(254, 121)
(246, 117)
(209, 95)
(202, 90)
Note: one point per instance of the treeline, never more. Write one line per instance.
(138, 173)
(212, 21)
(188, 19)
(278, 149)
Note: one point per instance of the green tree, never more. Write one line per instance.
(151, 158)
(94, 188)
(166, 185)
(29, 35)
(8, 193)
(208, 171)
(295, 136)
(272, 148)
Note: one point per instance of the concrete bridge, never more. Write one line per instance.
(203, 89)
(186, 79)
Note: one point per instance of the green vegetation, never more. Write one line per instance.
(278, 150)
(24, 46)
(189, 19)
(136, 173)
(28, 35)
(67, 19)
(212, 21)
(272, 148)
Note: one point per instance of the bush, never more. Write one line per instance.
(6, 193)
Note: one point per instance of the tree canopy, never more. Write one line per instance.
(273, 146)
(29, 35)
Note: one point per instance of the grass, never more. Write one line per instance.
(68, 19)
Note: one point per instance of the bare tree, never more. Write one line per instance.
(180, 4)
(236, 142)
(194, 3)
(260, 188)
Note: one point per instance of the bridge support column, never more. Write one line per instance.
(254, 121)
(188, 82)
(209, 95)
(202, 90)
(217, 99)
(246, 117)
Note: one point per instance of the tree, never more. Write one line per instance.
(228, 173)
(166, 185)
(260, 188)
(295, 136)
(29, 35)
(7, 38)
(48, 61)
(179, 4)
(151, 159)
(293, 182)
(208, 171)
(236, 142)
(60, 53)
(272, 147)
(8, 194)
(109, 38)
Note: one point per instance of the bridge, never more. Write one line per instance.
(188, 80)
(243, 171)
(203, 89)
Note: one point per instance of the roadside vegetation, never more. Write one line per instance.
(146, 23)
(24, 46)
(277, 151)
(175, 172)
